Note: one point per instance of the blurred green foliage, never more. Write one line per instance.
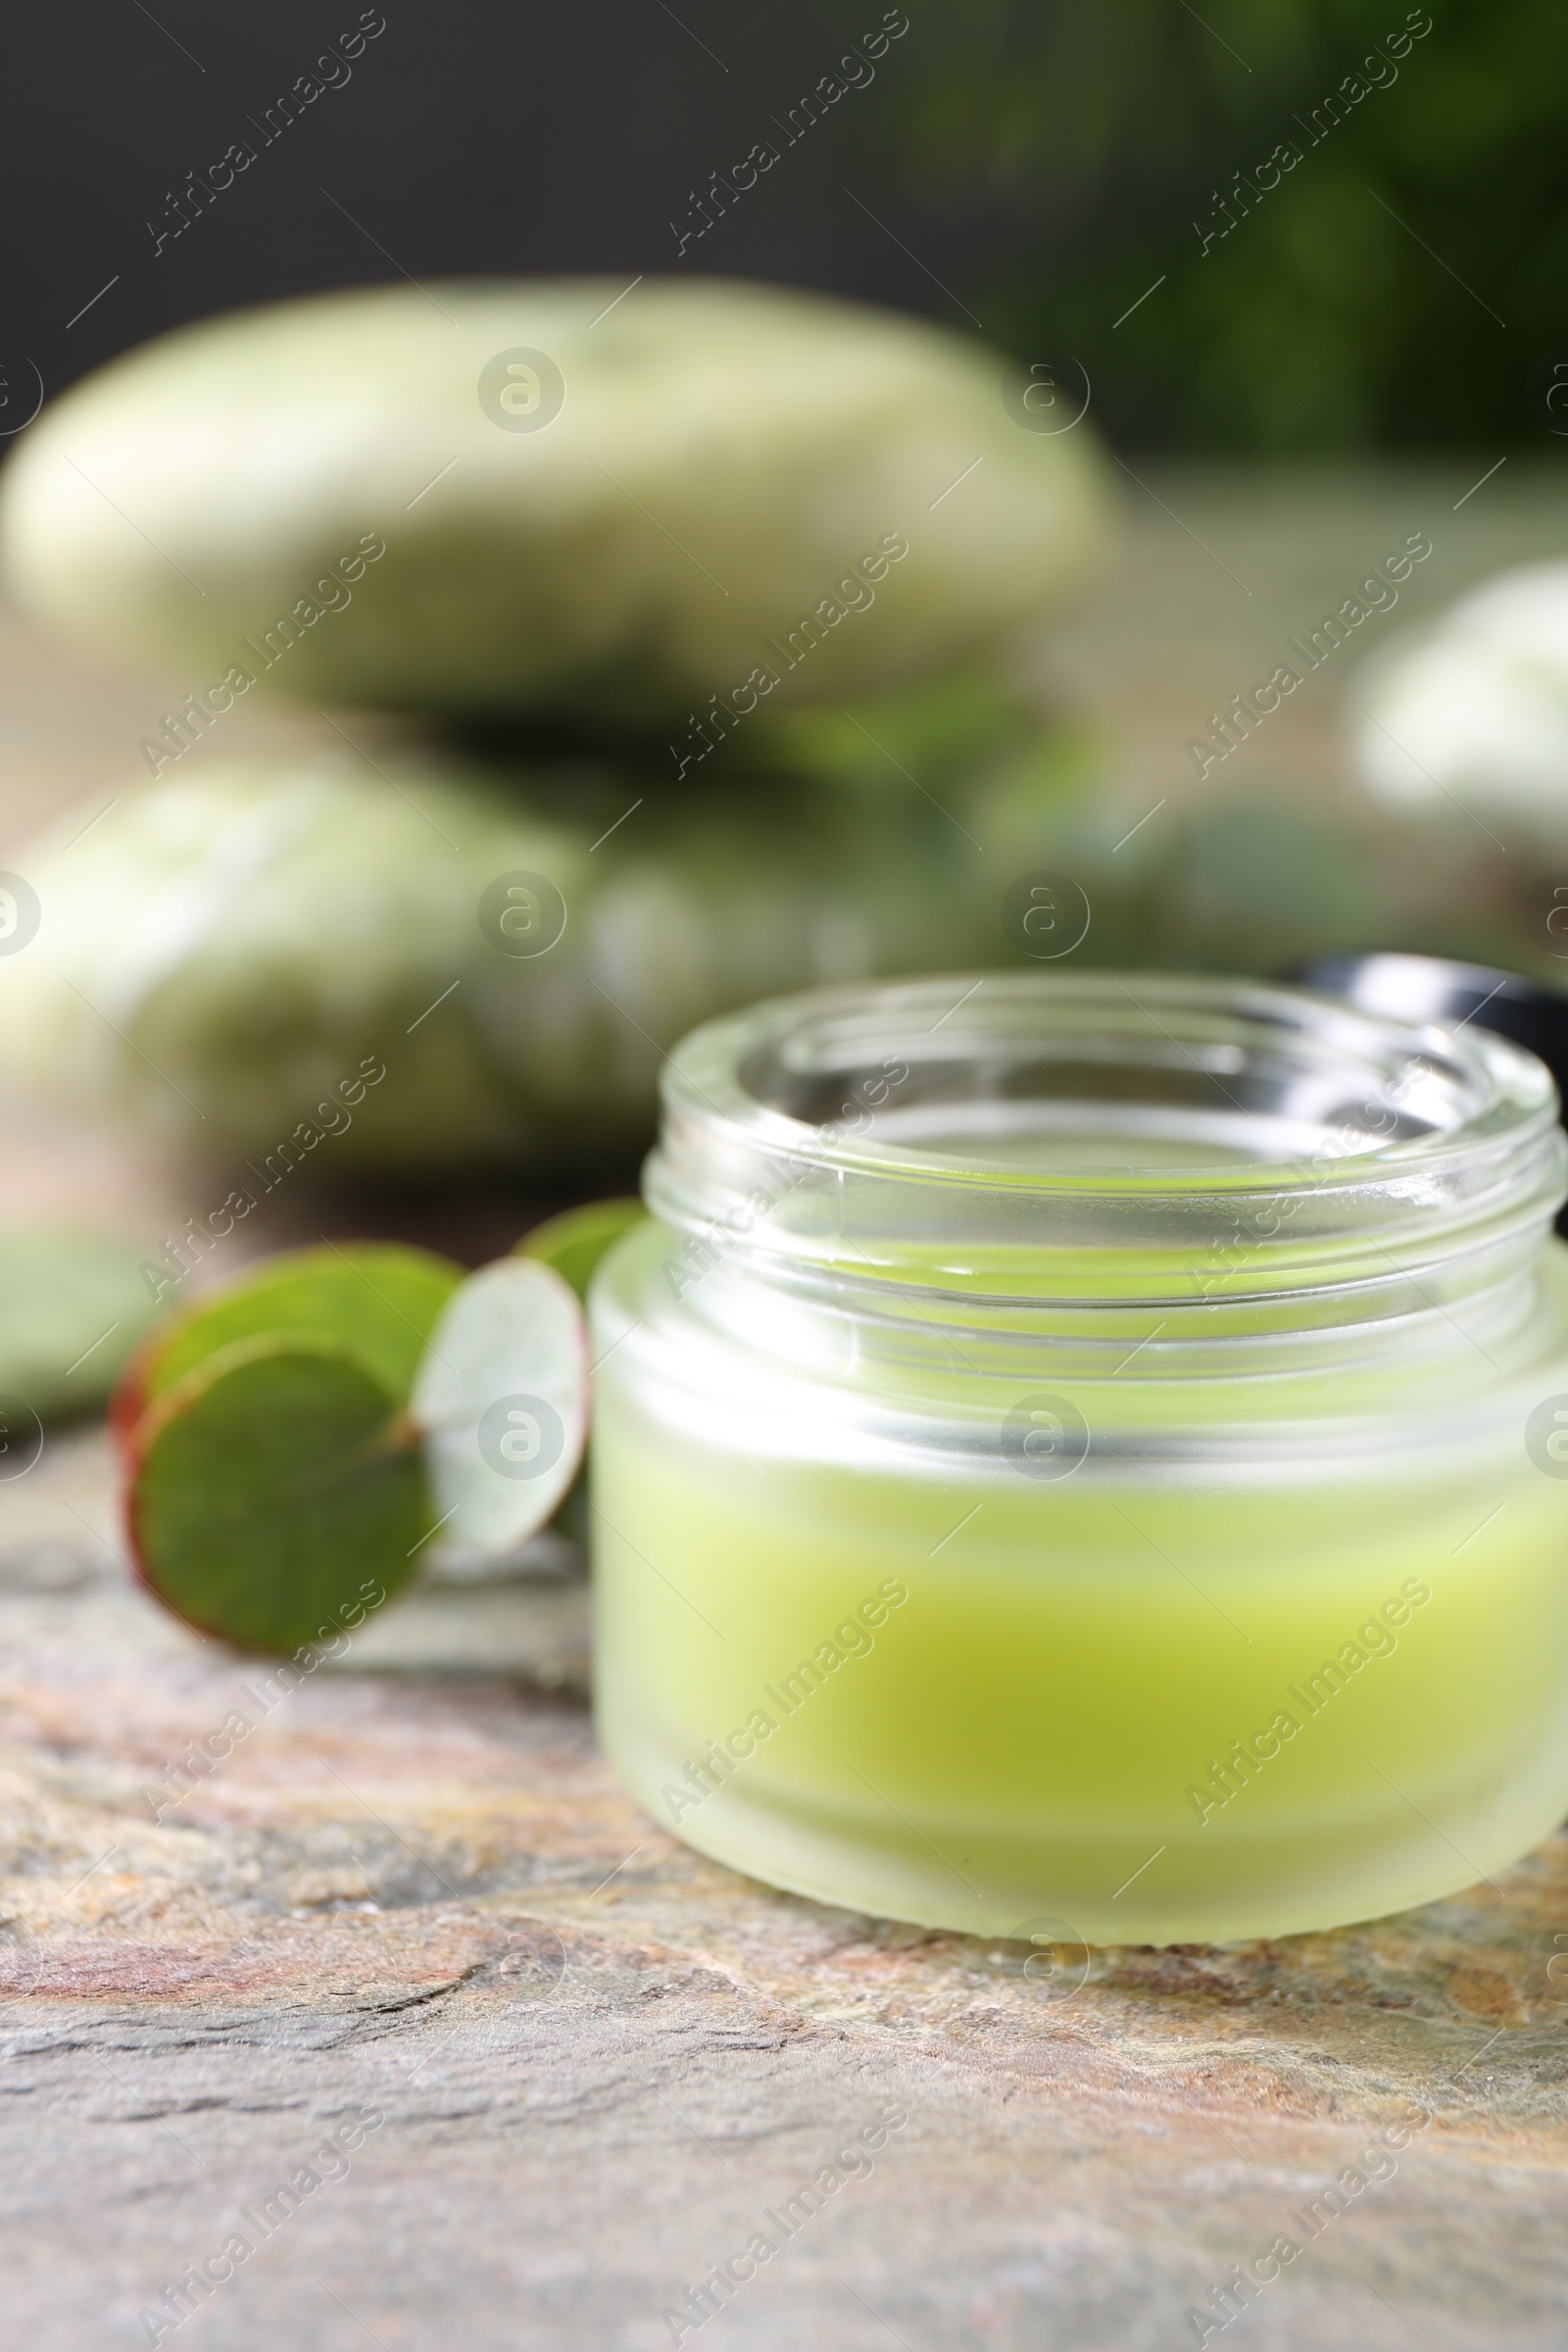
(1093, 139)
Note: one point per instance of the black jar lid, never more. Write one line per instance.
(1435, 989)
(1429, 988)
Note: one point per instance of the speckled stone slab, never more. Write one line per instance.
(404, 2023)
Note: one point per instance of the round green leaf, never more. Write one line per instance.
(277, 1496)
(576, 1241)
(376, 1299)
(502, 1402)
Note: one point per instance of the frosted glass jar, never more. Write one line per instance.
(1086, 1451)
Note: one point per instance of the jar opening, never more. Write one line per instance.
(1100, 1103)
(1114, 1136)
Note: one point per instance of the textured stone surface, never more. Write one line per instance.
(416, 1889)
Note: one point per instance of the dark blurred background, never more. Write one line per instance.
(1034, 167)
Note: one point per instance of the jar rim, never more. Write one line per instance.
(935, 1131)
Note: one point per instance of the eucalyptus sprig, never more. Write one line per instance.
(306, 1433)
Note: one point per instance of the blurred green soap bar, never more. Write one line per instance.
(618, 507)
(71, 1304)
(320, 967)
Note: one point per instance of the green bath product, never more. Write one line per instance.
(1094, 1455)
(645, 505)
(319, 967)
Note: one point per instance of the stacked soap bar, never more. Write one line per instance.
(702, 598)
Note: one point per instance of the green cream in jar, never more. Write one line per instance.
(1087, 1451)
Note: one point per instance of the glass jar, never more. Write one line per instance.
(1091, 1450)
